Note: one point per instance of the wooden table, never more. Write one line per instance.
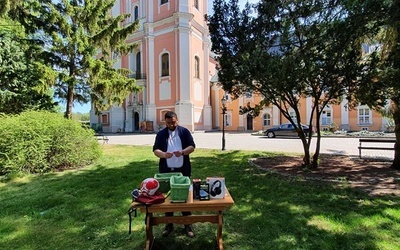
(214, 206)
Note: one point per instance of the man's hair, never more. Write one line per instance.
(170, 114)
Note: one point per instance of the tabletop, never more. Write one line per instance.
(191, 204)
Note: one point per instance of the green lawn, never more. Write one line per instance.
(87, 208)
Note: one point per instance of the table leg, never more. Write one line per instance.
(219, 232)
(149, 232)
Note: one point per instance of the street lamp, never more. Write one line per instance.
(223, 101)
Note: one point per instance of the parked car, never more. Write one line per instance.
(286, 129)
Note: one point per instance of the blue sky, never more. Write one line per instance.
(81, 108)
(86, 107)
(241, 3)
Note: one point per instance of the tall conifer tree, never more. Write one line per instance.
(84, 39)
(25, 79)
(81, 38)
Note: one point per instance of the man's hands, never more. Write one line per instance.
(177, 153)
(168, 155)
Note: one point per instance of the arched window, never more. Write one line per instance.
(196, 67)
(165, 64)
(136, 13)
(266, 119)
(164, 1)
(138, 67)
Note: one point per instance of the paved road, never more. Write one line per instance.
(246, 141)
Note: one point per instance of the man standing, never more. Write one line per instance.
(173, 145)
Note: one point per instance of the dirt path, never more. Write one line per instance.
(374, 176)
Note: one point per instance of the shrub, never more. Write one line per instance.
(332, 127)
(37, 141)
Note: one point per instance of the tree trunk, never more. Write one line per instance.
(306, 158)
(315, 161)
(70, 102)
(396, 117)
(70, 91)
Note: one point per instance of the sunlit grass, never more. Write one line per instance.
(87, 208)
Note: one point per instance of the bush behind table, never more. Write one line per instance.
(37, 141)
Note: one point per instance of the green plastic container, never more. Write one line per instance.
(179, 188)
(163, 179)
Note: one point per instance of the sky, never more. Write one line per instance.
(81, 108)
(241, 3)
(86, 107)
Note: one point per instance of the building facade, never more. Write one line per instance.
(334, 117)
(173, 64)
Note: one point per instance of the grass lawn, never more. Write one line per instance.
(87, 208)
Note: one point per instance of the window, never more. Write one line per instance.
(196, 4)
(292, 115)
(249, 94)
(364, 116)
(165, 64)
(266, 120)
(228, 119)
(114, 55)
(164, 1)
(138, 67)
(104, 118)
(287, 126)
(136, 13)
(326, 117)
(163, 112)
(135, 98)
(196, 67)
(226, 95)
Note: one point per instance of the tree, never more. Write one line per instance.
(81, 37)
(289, 51)
(384, 30)
(6, 5)
(391, 69)
(24, 79)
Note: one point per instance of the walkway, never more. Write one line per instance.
(246, 141)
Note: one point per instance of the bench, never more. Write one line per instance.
(101, 137)
(374, 141)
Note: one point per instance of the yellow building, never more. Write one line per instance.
(334, 117)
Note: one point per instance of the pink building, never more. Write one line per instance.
(172, 62)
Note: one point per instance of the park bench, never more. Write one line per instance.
(101, 137)
(373, 142)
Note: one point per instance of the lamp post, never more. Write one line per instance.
(223, 101)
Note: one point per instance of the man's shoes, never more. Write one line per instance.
(167, 230)
(189, 231)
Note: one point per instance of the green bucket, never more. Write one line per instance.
(163, 179)
(179, 188)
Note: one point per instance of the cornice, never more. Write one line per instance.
(172, 19)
